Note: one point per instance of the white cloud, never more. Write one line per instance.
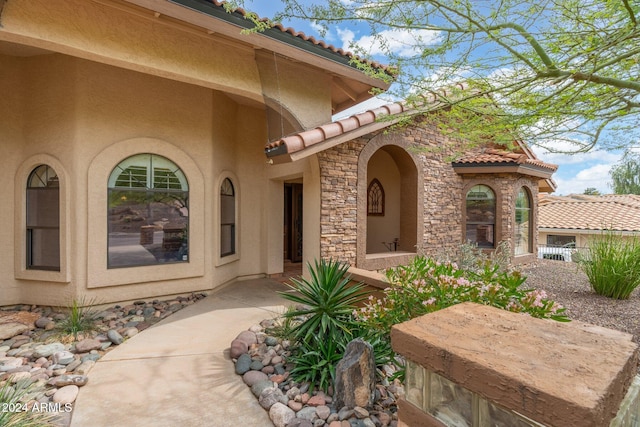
(322, 30)
(400, 42)
(608, 157)
(593, 177)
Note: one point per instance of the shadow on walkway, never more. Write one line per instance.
(178, 372)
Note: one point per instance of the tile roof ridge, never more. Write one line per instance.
(305, 138)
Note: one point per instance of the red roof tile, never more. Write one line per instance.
(302, 140)
(490, 156)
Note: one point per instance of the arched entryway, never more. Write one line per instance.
(388, 188)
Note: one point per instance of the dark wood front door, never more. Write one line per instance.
(293, 222)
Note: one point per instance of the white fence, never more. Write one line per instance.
(566, 253)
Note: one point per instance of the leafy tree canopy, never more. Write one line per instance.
(565, 74)
(591, 191)
(625, 176)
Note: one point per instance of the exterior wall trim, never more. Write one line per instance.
(20, 223)
(98, 275)
(219, 260)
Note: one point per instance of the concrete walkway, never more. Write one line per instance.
(178, 372)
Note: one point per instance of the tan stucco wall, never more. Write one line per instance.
(12, 128)
(117, 80)
(83, 118)
(137, 39)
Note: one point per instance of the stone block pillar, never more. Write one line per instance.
(476, 365)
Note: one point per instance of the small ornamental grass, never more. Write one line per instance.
(426, 285)
(81, 318)
(14, 411)
(612, 265)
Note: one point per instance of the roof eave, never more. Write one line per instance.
(586, 231)
(501, 167)
(198, 12)
(547, 185)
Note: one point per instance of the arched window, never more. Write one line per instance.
(43, 219)
(481, 216)
(523, 242)
(148, 212)
(227, 218)
(375, 198)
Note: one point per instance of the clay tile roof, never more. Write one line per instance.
(309, 39)
(582, 212)
(493, 156)
(302, 140)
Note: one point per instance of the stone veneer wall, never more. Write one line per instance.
(442, 215)
(339, 197)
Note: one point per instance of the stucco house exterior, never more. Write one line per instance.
(134, 132)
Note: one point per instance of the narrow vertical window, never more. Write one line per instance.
(148, 214)
(522, 237)
(481, 216)
(375, 198)
(227, 218)
(43, 220)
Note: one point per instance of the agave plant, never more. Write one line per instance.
(326, 301)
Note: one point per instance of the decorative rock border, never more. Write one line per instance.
(261, 360)
(33, 350)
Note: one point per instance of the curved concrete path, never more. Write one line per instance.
(178, 372)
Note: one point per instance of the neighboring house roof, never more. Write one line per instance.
(583, 212)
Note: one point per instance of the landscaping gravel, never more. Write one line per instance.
(566, 284)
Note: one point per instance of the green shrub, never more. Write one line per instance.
(612, 265)
(426, 285)
(315, 362)
(284, 326)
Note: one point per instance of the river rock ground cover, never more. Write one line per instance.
(34, 350)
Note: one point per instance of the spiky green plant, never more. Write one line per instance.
(81, 318)
(612, 265)
(315, 362)
(284, 325)
(13, 406)
(327, 301)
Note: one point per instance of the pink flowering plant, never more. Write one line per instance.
(427, 285)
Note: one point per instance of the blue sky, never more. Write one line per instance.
(576, 172)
